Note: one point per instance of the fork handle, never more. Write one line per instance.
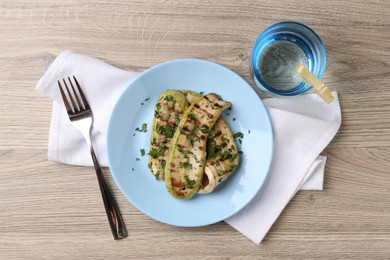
(114, 216)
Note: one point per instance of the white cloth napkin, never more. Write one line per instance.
(303, 126)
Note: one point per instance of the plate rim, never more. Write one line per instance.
(219, 66)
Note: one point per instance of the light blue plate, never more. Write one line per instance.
(248, 115)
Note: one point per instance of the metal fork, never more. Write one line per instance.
(81, 117)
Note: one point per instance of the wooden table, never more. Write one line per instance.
(54, 211)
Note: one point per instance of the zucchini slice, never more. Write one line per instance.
(222, 157)
(168, 110)
(187, 152)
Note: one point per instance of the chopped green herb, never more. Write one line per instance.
(189, 183)
(173, 104)
(240, 152)
(191, 116)
(233, 157)
(220, 172)
(155, 153)
(249, 131)
(201, 92)
(142, 104)
(133, 134)
(163, 163)
(240, 141)
(205, 130)
(192, 137)
(227, 114)
(147, 99)
(144, 128)
(158, 106)
(194, 130)
(142, 152)
(137, 159)
(238, 135)
(166, 117)
(181, 150)
(158, 128)
(177, 119)
(185, 165)
(168, 98)
(234, 119)
(168, 131)
(157, 176)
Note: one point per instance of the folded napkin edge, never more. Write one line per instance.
(53, 69)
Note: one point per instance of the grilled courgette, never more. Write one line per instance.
(222, 156)
(187, 152)
(168, 111)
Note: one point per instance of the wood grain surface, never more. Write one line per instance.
(54, 211)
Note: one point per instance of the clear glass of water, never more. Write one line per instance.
(277, 52)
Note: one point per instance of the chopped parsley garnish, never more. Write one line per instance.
(157, 176)
(137, 159)
(189, 183)
(201, 93)
(142, 152)
(158, 128)
(220, 172)
(168, 131)
(192, 137)
(224, 139)
(144, 128)
(168, 98)
(205, 130)
(238, 135)
(155, 153)
(234, 119)
(177, 119)
(147, 99)
(166, 117)
(191, 116)
(185, 165)
(142, 104)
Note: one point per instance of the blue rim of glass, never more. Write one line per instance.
(265, 38)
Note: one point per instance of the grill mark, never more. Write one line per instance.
(177, 183)
(217, 134)
(207, 98)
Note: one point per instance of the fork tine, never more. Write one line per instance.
(79, 101)
(81, 93)
(64, 98)
(71, 97)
